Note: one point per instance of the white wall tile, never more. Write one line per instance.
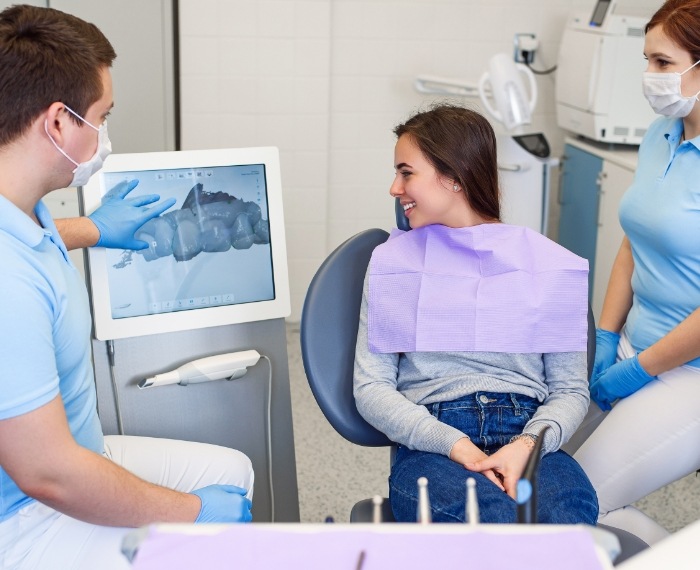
(239, 56)
(238, 19)
(312, 57)
(199, 18)
(312, 19)
(276, 18)
(308, 170)
(198, 56)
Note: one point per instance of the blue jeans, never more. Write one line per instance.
(565, 495)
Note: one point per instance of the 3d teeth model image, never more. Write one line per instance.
(206, 222)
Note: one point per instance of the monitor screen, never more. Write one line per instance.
(217, 257)
(601, 9)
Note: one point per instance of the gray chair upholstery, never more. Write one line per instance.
(328, 335)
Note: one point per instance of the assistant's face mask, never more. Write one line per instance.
(84, 170)
(663, 91)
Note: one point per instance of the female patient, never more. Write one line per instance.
(472, 336)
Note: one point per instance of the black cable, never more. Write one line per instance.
(115, 388)
(536, 71)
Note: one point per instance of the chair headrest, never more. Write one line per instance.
(401, 219)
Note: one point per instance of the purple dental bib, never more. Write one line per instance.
(486, 288)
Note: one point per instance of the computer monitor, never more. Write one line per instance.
(217, 257)
(599, 13)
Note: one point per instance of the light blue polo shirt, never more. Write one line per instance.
(44, 334)
(660, 214)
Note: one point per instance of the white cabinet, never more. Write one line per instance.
(596, 177)
(614, 179)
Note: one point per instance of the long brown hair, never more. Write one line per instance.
(461, 145)
(680, 20)
(47, 56)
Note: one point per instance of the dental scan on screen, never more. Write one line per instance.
(218, 226)
(217, 256)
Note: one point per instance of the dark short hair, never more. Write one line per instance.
(680, 20)
(461, 145)
(46, 56)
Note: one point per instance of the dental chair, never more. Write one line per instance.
(328, 334)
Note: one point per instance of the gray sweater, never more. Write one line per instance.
(391, 390)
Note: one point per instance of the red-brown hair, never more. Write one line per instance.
(680, 20)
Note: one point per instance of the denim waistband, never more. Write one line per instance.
(482, 400)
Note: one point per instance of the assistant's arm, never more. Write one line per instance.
(618, 296)
(679, 346)
(39, 453)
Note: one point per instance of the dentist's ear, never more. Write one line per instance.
(54, 120)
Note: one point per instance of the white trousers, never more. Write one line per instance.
(39, 537)
(648, 440)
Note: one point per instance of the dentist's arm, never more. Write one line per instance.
(38, 451)
(77, 232)
(115, 222)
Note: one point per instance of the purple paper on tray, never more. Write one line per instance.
(263, 547)
(486, 288)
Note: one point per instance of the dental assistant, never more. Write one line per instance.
(647, 368)
(68, 494)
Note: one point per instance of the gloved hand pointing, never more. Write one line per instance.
(619, 381)
(223, 504)
(605, 351)
(117, 219)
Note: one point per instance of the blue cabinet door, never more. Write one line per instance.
(578, 199)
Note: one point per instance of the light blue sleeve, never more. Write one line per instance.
(28, 373)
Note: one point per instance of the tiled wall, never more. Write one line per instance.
(326, 80)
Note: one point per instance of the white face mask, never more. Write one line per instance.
(663, 91)
(84, 170)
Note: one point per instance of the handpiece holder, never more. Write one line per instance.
(227, 366)
(526, 490)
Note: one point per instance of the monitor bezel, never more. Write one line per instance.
(107, 328)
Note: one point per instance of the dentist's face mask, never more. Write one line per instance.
(663, 91)
(84, 170)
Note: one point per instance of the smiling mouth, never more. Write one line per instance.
(407, 207)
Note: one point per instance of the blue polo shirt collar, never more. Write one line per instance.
(16, 223)
(675, 130)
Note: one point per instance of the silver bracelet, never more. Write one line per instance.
(531, 437)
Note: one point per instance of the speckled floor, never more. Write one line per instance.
(333, 474)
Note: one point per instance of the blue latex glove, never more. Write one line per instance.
(223, 504)
(619, 381)
(117, 219)
(605, 351)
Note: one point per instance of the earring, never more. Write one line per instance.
(455, 188)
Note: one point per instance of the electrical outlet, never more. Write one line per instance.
(524, 48)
